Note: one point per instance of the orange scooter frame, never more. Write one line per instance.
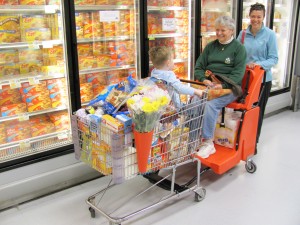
(244, 148)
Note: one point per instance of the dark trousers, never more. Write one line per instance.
(262, 105)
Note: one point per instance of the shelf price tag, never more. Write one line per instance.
(34, 45)
(162, 10)
(24, 144)
(63, 135)
(33, 80)
(23, 117)
(15, 83)
(151, 38)
(47, 44)
(50, 8)
(168, 24)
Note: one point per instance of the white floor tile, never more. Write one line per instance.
(269, 196)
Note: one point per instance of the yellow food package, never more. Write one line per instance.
(33, 21)
(9, 69)
(87, 62)
(26, 55)
(10, 29)
(31, 67)
(32, 2)
(37, 34)
(85, 50)
(84, 2)
(52, 70)
(9, 56)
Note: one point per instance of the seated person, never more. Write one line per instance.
(225, 56)
(162, 60)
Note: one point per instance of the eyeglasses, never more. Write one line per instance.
(258, 6)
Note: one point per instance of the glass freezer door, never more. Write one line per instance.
(282, 26)
(106, 43)
(246, 9)
(210, 11)
(169, 24)
(34, 95)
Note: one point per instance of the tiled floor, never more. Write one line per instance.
(269, 196)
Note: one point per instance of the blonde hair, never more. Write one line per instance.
(159, 55)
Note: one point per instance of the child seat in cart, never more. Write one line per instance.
(113, 154)
(245, 144)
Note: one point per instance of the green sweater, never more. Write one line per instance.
(227, 60)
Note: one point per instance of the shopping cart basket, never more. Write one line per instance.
(176, 137)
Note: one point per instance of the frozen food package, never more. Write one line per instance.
(10, 29)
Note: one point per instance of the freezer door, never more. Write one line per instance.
(170, 24)
(210, 11)
(107, 40)
(284, 26)
(34, 86)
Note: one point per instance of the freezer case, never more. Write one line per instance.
(283, 20)
(169, 24)
(34, 95)
(210, 11)
(106, 44)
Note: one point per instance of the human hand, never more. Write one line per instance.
(208, 83)
(252, 65)
(198, 92)
(217, 86)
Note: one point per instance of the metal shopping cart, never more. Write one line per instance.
(176, 137)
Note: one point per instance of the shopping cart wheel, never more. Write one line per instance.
(93, 212)
(200, 195)
(250, 166)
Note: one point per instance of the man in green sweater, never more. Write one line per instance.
(226, 57)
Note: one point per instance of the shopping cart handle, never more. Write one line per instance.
(192, 82)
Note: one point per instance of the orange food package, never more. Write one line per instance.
(86, 92)
(38, 119)
(2, 134)
(84, 2)
(87, 62)
(9, 2)
(26, 88)
(39, 101)
(9, 96)
(13, 109)
(61, 120)
(42, 129)
(10, 29)
(18, 132)
(85, 50)
(58, 92)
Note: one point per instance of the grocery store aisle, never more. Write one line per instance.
(270, 196)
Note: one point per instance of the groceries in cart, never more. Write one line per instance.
(134, 128)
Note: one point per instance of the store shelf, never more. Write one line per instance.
(31, 9)
(33, 45)
(101, 7)
(165, 8)
(27, 115)
(32, 79)
(153, 36)
(34, 145)
(103, 69)
(208, 33)
(218, 10)
(115, 38)
(180, 60)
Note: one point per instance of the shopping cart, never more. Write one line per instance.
(176, 137)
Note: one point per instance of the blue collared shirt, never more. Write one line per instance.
(261, 49)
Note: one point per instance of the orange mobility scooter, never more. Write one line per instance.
(245, 144)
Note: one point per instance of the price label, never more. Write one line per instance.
(47, 44)
(50, 8)
(0, 86)
(151, 38)
(162, 10)
(62, 136)
(24, 144)
(15, 83)
(23, 117)
(33, 80)
(34, 45)
(168, 24)
(109, 16)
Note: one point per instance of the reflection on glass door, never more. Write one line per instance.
(282, 27)
(210, 11)
(106, 37)
(34, 95)
(169, 25)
